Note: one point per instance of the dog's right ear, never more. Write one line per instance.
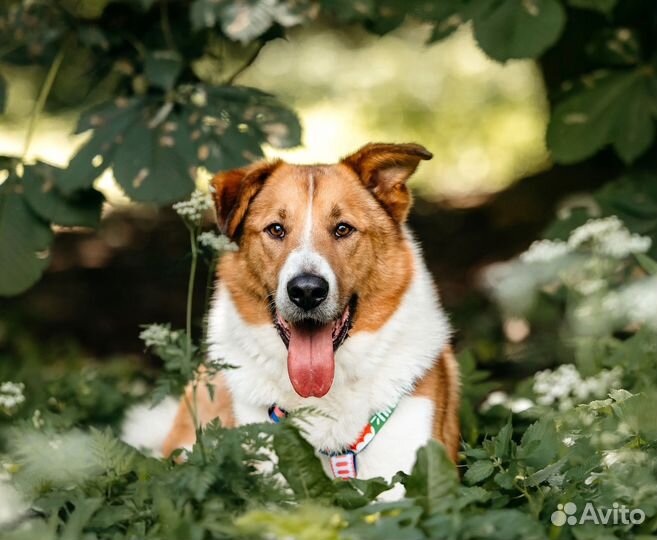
(234, 190)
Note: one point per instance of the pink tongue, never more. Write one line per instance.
(310, 361)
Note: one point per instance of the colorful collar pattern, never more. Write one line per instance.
(343, 463)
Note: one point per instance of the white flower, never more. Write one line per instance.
(11, 396)
(192, 210)
(639, 301)
(609, 237)
(633, 303)
(158, 335)
(516, 405)
(216, 242)
(565, 386)
(545, 250)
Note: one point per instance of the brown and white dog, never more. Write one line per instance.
(328, 304)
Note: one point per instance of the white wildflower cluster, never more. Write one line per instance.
(640, 301)
(514, 404)
(544, 251)
(608, 236)
(192, 210)
(605, 236)
(566, 387)
(634, 303)
(216, 242)
(158, 335)
(11, 396)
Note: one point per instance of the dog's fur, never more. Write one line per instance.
(397, 348)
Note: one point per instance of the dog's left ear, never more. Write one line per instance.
(234, 190)
(384, 169)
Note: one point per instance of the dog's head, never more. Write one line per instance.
(318, 243)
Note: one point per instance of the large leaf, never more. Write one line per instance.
(540, 444)
(108, 121)
(615, 108)
(154, 147)
(508, 29)
(80, 209)
(24, 241)
(434, 479)
(299, 465)
(149, 167)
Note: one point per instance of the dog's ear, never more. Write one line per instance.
(234, 190)
(384, 169)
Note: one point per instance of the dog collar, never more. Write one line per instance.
(343, 463)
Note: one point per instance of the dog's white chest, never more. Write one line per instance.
(394, 447)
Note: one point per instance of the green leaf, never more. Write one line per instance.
(397, 520)
(148, 166)
(502, 441)
(603, 6)
(504, 524)
(647, 263)
(299, 465)
(434, 479)
(479, 471)
(82, 514)
(518, 28)
(80, 209)
(154, 147)
(612, 109)
(109, 120)
(539, 444)
(162, 68)
(546, 472)
(24, 241)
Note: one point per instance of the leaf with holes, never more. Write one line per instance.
(79, 209)
(228, 125)
(24, 241)
(154, 147)
(109, 121)
(517, 28)
(149, 165)
(612, 109)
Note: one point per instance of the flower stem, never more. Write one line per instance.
(193, 406)
(190, 291)
(41, 100)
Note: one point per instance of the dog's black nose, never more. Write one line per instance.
(307, 291)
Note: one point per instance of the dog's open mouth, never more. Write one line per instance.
(311, 347)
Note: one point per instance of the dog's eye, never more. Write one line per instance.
(343, 230)
(276, 230)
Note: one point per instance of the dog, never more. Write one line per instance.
(328, 304)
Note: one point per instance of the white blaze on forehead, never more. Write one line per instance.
(305, 260)
(307, 239)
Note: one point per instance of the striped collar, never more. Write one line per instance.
(343, 463)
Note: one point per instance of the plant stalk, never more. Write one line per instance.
(41, 100)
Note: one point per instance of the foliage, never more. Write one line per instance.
(582, 430)
(156, 113)
(554, 445)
